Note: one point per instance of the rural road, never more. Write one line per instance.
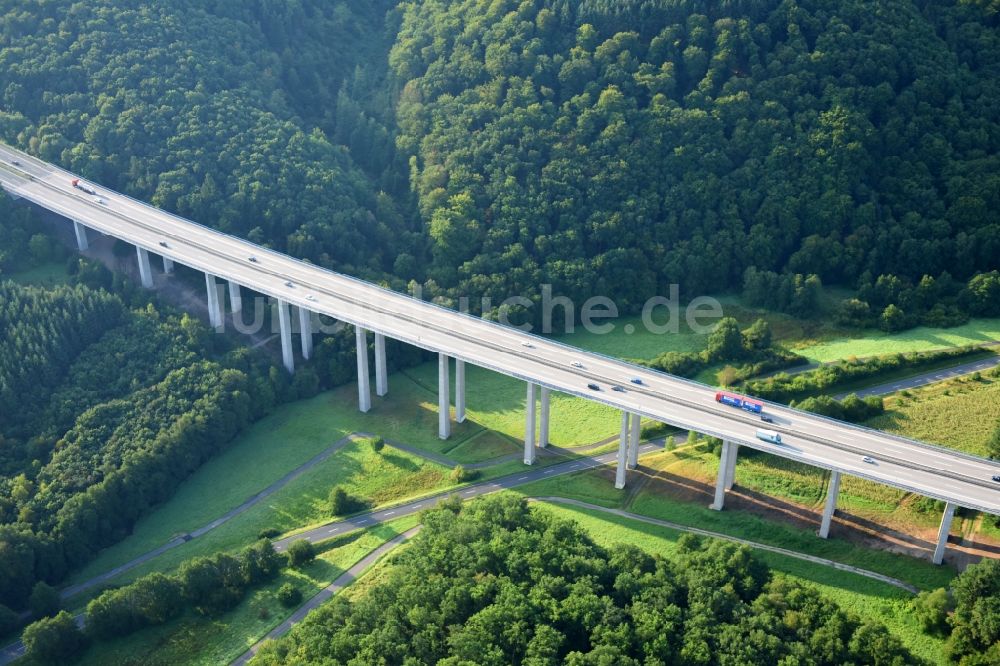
(931, 377)
(343, 581)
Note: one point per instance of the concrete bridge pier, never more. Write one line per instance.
(543, 426)
(943, 532)
(622, 452)
(305, 332)
(728, 454)
(444, 401)
(731, 469)
(168, 266)
(831, 504)
(381, 376)
(633, 441)
(145, 272)
(529, 424)
(285, 322)
(215, 317)
(81, 236)
(364, 381)
(235, 297)
(459, 391)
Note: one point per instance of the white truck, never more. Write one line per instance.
(769, 436)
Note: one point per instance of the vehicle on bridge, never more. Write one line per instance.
(82, 186)
(734, 400)
(769, 436)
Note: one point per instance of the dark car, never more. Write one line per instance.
(593, 387)
(766, 419)
(619, 389)
(996, 477)
(636, 380)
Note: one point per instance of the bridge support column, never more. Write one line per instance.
(381, 373)
(529, 424)
(943, 532)
(168, 266)
(215, 317)
(720, 480)
(81, 236)
(235, 297)
(831, 504)
(285, 322)
(305, 332)
(145, 272)
(622, 452)
(364, 380)
(731, 469)
(633, 441)
(444, 397)
(543, 426)
(459, 391)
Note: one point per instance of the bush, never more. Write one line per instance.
(53, 640)
(289, 595)
(462, 475)
(343, 503)
(377, 444)
(268, 533)
(301, 552)
(931, 610)
(9, 620)
(44, 600)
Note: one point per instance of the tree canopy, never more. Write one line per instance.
(495, 582)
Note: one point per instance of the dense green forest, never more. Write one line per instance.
(493, 582)
(604, 146)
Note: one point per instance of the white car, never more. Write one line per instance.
(869, 460)
(528, 345)
(99, 200)
(310, 297)
(577, 364)
(289, 284)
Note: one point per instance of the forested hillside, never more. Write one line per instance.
(486, 147)
(494, 583)
(212, 110)
(105, 410)
(616, 146)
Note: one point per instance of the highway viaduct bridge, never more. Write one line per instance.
(956, 478)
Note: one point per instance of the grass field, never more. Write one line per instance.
(46, 275)
(955, 413)
(593, 486)
(866, 598)
(497, 402)
(194, 639)
(380, 477)
(874, 343)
